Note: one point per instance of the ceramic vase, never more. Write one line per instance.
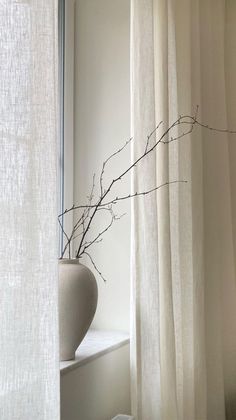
(78, 295)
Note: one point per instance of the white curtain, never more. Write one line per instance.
(29, 368)
(183, 339)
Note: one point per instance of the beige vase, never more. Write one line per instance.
(78, 295)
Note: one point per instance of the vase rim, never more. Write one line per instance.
(69, 261)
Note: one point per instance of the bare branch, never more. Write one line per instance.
(94, 265)
(180, 128)
(181, 120)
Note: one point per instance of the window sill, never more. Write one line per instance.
(95, 344)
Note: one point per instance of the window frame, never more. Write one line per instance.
(66, 13)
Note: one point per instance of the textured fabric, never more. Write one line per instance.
(29, 367)
(183, 338)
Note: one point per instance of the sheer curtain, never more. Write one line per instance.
(183, 339)
(29, 368)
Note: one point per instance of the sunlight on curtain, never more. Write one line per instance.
(29, 367)
(183, 341)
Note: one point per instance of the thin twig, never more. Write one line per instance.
(108, 159)
(138, 194)
(151, 134)
(65, 234)
(99, 272)
(114, 217)
(81, 221)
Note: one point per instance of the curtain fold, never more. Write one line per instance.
(183, 342)
(29, 361)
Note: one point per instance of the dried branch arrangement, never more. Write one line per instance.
(184, 125)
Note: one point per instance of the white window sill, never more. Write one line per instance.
(95, 344)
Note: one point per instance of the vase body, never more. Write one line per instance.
(78, 296)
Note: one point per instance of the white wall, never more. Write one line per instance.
(102, 125)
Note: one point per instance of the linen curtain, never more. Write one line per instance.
(29, 367)
(183, 333)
